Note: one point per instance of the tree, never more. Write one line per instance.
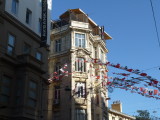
(143, 115)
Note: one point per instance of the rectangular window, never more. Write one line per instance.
(80, 40)
(26, 49)
(102, 56)
(38, 56)
(15, 6)
(80, 65)
(80, 114)
(113, 118)
(5, 89)
(95, 52)
(11, 44)
(58, 67)
(80, 90)
(58, 45)
(40, 25)
(57, 93)
(28, 16)
(32, 93)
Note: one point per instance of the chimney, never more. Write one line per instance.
(117, 106)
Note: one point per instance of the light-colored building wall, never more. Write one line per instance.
(94, 102)
(35, 7)
(115, 113)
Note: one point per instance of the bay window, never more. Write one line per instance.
(80, 40)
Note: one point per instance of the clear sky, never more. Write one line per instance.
(134, 43)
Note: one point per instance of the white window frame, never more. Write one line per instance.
(80, 65)
(15, 5)
(80, 40)
(80, 89)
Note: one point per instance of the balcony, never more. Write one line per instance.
(81, 101)
(80, 75)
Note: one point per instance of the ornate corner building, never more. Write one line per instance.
(23, 66)
(78, 75)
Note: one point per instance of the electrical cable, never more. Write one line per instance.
(155, 22)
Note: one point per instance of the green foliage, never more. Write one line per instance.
(143, 115)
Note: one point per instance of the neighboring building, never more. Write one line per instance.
(115, 113)
(75, 40)
(23, 66)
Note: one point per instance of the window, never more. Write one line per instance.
(102, 56)
(32, 93)
(58, 45)
(38, 56)
(95, 52)
(97, 117)
(58, 67)
(113, 118)
(28, 16)
(80, 90)
(56, 116)
(15, 6)
(40, 25)
(80, 40)
(80, 114)
(80, 65)
(5, 89)
(11, 44)
(57, 93)
(27, 48)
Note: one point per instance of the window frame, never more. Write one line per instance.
(10, 45)
(40, 25)
(80, 114)
(102, 55)
(5, 85)
(58, 45)
(36, 56)
(80, 89)
(80, 65)
(28, 16)
(32, 99)
(57, 93)
(15, 7)
(79, 40)
(29, 46)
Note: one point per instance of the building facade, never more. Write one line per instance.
(77, 70)
(23, 66)
(115, 113)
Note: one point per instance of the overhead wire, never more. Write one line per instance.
(155, 23)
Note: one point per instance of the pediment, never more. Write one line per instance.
(82, 52)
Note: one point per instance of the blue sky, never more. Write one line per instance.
(134, 43)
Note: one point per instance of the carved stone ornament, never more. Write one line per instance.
(80, 53)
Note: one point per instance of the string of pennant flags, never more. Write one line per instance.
(121, 82)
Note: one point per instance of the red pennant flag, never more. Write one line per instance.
(98, 77)
(155, 92)
(130, 70)
(143, 74)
